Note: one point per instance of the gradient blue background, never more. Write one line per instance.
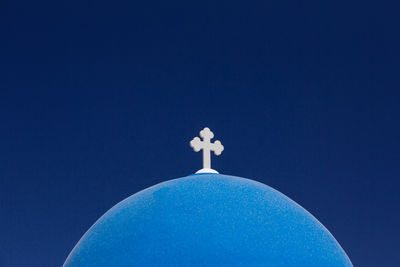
(99, 100)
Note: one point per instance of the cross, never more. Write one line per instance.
(207, 147)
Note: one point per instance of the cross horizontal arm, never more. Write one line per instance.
(217, 147)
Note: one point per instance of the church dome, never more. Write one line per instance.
(208, 219)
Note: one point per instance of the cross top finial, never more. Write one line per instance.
(207, 147)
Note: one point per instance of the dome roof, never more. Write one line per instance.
(205, 220)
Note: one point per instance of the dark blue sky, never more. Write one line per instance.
(96, 96)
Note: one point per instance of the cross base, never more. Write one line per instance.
(207, 171)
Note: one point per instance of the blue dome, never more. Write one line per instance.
(208, 220)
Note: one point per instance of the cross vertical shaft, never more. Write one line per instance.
(206, 153)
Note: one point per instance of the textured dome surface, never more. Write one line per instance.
(208, 220)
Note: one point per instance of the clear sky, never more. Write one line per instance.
(99, 100)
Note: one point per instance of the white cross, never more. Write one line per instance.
(207, 147)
